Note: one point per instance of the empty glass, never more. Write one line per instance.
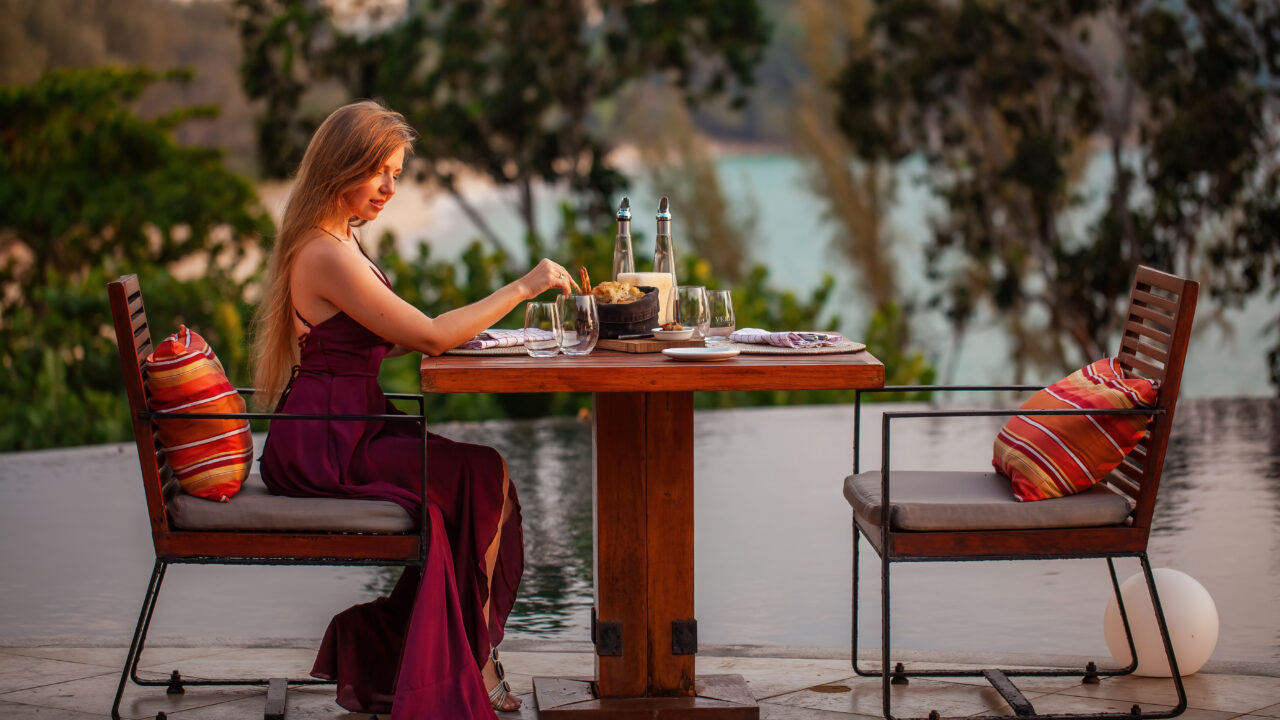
(580, 323)
(721, 323)
(542, 331)
(691, 309)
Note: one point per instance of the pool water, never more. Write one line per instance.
(772, 542)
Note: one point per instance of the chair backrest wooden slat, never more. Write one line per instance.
(1153, 344)
(1151, 299)
(1151, 352)
(1149, 330)
(1148, 317)
(133, 336)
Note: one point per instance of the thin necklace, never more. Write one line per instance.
(335, 237)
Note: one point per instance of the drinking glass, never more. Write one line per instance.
(691, 309)
(581, 323)
(721, 323)
(542, 331)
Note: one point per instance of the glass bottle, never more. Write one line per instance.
(664, 258)
(624, 261)
(664, 253)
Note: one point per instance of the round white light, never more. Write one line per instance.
(1189, 612)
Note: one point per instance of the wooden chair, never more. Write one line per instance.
(1110, 520)
(255, 527)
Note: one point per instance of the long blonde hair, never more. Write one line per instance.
(348, 147)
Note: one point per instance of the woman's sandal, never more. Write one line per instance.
(500, 695)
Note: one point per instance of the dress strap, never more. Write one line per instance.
(372, 265)
(304, 320)
(284, 394)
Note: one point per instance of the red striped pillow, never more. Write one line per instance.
(1049, 456)
(210, 458)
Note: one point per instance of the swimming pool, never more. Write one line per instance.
(772, 538)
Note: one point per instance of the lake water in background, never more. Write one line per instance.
(772, 542)
(793, 240)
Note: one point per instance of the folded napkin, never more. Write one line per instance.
(495, 338)
(757, 336)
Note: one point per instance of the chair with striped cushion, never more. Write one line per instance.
(253, 527)
(938, 516)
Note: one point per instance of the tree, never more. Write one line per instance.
(520, 92)
(1013, 107)
(89, 190)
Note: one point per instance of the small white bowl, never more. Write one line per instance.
(660, 334)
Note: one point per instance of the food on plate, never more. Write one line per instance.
(672, 326)
(616, 293)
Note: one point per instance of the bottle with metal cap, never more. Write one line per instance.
(664, 252)
(664, 259)
(624, 261)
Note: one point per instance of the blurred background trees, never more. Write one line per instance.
(89, 190)
(1059, 145)
(1021, 111)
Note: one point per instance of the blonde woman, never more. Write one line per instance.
(327, 320)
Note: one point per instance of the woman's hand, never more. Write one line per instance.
(545, 275)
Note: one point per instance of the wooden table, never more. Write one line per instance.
(642, 442)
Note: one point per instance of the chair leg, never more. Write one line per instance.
(853, 643)
(1164, 635)
(884, 635)
(130, 669)
(1124, 619)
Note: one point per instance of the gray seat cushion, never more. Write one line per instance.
(922, 500)
(255, 508)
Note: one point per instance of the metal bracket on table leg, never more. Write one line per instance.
(684, 637)
(609, 638)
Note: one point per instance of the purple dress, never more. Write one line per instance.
(424, 645)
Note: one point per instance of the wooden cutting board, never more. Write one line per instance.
(646, 345)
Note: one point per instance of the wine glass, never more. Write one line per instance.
(542, 331)
(580, 323)
(691, 309)
(721, 323)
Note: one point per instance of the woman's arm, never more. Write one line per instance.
(342, 278)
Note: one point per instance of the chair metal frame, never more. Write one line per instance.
(1137, 478)
(176, 546)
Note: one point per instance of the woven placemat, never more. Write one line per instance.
(513, 350)
(847, 346)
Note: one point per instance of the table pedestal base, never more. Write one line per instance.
(716, 697)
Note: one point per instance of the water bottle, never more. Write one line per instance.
(624, 261)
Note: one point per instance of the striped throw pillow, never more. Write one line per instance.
(1050, 456)
(210, 458)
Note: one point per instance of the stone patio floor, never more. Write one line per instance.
(78, 683)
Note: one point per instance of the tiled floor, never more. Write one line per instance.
(67, 683)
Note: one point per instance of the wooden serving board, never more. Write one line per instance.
(646, 345)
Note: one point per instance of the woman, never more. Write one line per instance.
(327, 320)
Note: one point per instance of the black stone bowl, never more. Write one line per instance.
(631, 318)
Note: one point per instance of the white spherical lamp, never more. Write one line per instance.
(1189, 612)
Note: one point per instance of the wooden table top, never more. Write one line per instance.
(611, 371)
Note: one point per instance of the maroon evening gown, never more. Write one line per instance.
(426, 642)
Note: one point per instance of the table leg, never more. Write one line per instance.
(642, 499)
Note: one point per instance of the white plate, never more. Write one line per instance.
(700, 353)
(660, 334)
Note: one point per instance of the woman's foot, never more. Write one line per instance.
(500, 696)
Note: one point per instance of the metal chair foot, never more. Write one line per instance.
(175, 684)
(900, 675)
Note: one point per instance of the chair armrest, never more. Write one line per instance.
(417, 397)
(857, 403)
(1003, 412)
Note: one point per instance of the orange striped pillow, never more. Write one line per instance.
(1049, 456)
(210, 458)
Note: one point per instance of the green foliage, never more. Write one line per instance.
(517, 91)
(88, 191)
(1009, 102)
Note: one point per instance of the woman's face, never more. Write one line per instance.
(367, 199)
